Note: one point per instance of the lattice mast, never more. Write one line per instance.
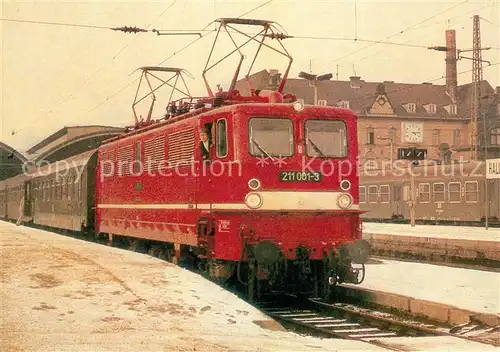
(477, 77)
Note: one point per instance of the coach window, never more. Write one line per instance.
(326, 138)
(221, 140)
(471, 191)
(270, 137)
(362, 194)
(385, 194)
(138, 159)
(372, 194)
(454, 192)
(424, 192)
(438, 190)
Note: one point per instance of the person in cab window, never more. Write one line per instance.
(205, 145)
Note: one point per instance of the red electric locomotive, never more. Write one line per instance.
(259, 188)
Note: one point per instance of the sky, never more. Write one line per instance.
(67, 75)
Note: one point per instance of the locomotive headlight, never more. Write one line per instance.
(345, 185)
(254, 184)
(298, 106)
(253, 200)
(344, 201)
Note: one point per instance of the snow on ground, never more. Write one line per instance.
(61, 294)
(435, 231)
(436, 344)
(468, 289)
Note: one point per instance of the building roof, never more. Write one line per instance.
(65, 131)
(361, 95)
(11, 161)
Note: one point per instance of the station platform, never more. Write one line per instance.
(62, 294)
(441, 293)
(435, 243)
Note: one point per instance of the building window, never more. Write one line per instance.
(457, 139)
(322, 102)
(436, 137)
(495, 136)
(432, 108)
(343, 104)
(453, 109)
(370, 164)
(392, 134)
(370, 135)
(411, 107)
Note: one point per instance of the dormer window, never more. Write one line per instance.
(321, 102)
(343, 104)
(451, 109)
(411, 107)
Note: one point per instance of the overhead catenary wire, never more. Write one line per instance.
(398, 32)
(177, 52)
(113, 58)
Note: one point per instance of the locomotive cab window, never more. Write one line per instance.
(270, 137)
(326, 138)
(221, 140)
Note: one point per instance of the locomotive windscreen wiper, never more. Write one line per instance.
(261, 149)
(316, 148)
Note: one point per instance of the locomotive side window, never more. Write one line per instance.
(326, 138)
(454, 192)
(438, 191)
(270, 137)
(138, 159)
(362, 194)
(372, 194)
(424, 192)
(385, 194)
(221, 139)
(471, 191)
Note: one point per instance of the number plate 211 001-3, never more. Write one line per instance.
(299, 176)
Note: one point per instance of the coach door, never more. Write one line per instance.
(27, 199)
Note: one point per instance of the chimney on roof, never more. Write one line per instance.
(355, 81)
(451, 64)
(380, 88)
(274, 79)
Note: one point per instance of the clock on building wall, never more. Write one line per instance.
(413, 132)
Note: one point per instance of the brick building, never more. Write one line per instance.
(399, 115)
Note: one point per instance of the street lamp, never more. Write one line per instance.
(313, 79)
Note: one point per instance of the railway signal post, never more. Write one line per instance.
(414, 155)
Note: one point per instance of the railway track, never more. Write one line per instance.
(346, 321)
